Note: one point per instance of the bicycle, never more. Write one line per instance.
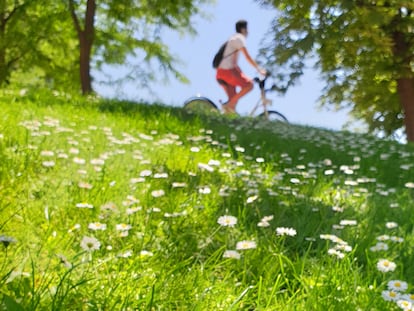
(204, 105)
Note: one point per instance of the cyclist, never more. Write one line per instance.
(229, 74)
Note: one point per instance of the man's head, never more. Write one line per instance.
(241, 27)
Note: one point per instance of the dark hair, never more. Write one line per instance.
(241, 24)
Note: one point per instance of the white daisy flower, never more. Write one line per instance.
(84, 205)
(384, 265)
(227, 221)
(158, 193)
(380, 246)
(389, 295)
(97, 226)
(398, 286)
(336, 253)
(123, 227)
(90, 244)
(251, 199)
(231, 254)
(405, 305)
(391, 225)
(48, 163)
(246, 245)
(285, 231)
(346, 222)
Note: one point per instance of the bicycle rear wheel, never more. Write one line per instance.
(200, 105)
(272, 115)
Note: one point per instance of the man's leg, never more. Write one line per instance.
(246, 84)
(234, 100)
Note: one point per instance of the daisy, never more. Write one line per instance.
(79, 161)
(408, 297)
(160, 175)
(179, 185)
(47, 153)
(396, 239)
(133, 210)
(97, 162)
(205, 167)
(123, 227)
(90, 244)
(391, 225)
(246, 245)
(7, 240)
(385, 265)
(137, 180)
(398, 286)
(404, 304)
(409, 185)
(263, 224)
(85, 185)
(336, 253)
(75, 227)
(84, 205)
(231, 254)
(64, 261)
(346, 222)
(204, 190)
(145, 173)
(145, 253)
(158, 193)
(213, 162)
(389, 295)
(251, 199)
(97, 226)
(48, 163)
(126, 254)
(267, 218)
(227, 221)
(285, 231)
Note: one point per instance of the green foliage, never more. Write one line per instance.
(36, 45)
(39, 45)
(354, 45)
(158, 180)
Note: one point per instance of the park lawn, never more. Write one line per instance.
(111, 205)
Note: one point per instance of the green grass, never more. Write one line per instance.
(69, 165)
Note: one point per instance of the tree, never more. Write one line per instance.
(113, 32)
(34, 43)
(364, 50)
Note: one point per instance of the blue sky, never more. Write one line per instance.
(299, 105)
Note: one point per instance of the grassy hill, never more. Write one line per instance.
(109, 205)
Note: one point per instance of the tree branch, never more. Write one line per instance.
(74, 17)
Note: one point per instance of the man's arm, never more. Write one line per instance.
(252, 61)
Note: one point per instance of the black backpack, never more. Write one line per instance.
(219, 56)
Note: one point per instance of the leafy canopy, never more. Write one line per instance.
(352, 42)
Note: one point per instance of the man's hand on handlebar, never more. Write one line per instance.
(262, 71)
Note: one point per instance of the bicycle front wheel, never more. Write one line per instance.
(200, 105)
(272, 115)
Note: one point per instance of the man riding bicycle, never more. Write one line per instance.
(229, 74)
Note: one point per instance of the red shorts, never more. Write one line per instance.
(232, 78)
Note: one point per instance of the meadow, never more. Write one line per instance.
(110, 205)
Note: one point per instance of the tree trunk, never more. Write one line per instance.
(405, 88)
(3, 64)
(86, 37)
(405, 81)
(84, 64)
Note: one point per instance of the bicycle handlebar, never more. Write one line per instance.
(262, 81)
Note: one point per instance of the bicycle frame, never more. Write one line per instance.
(263, 100)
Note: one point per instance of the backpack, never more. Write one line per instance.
(219, 56)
